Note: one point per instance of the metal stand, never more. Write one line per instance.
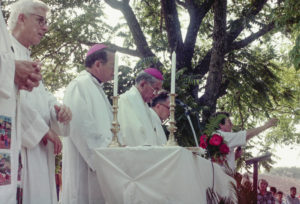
(187, 114)
(172, 127)
(115, 125)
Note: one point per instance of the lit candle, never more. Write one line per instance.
(116, 71)
(173, 72)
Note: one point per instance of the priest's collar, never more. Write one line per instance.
(99, 81)
(19, 48)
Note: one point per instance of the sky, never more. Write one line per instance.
(289, 156)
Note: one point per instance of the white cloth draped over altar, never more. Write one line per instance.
(160, 175)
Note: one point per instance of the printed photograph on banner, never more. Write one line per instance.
(5, 169)
(5, 132)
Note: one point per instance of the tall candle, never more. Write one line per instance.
(116, 72)
(173, 72)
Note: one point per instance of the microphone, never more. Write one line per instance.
(180, 103)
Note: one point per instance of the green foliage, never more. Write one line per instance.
(295, 53)
(213, 124)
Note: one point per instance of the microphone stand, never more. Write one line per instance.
(187, 114)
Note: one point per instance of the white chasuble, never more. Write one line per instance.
(90, 128)
(38, 160)
(136, 123)
(9, 142)
(161, 135)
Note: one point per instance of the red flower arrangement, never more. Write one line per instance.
(216, 147)
(214, 144)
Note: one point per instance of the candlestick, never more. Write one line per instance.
(115, 125)
(172, 127)
(173, 72)
(116, 72)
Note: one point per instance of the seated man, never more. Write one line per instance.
(134, 115)
(160, 112)
(236, 139)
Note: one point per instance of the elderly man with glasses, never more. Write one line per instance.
(27, 23)
(134, 115)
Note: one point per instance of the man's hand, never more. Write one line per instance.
(27, 74)
(63, 113)
(272, 122)
(53, 137)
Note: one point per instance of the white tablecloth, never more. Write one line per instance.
(155, 175)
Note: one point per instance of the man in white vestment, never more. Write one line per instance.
(134, 115)
(14, 75)
(27, 23)
(90, 127)
(160, 109)
(236, 139)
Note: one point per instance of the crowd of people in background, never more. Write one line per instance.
(265, 194)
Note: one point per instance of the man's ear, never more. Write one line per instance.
(97, 63)
(21, 18)
(143, 83)
(220, 125)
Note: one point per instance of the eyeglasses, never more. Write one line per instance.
(167, 107)
(41, 20)
(155, 91)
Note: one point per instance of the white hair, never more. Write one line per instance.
(145, 76)
(23, 7)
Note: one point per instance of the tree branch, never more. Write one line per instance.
(116, 47)
(183, 4)
(216, 65)
(197, 13)
(134, 26)
(236, 28)
(173, 26)
(243, 43)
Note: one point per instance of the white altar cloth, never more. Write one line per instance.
(157, 175)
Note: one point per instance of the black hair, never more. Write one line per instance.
(162, 97)
(222, 121)
(98, 55)
(273, 189)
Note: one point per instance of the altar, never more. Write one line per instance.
(160, 175)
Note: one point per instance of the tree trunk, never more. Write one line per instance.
(217, 58)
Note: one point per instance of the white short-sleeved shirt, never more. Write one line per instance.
(233, 139)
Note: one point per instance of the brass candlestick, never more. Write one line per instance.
(115, 125)
(172, 127)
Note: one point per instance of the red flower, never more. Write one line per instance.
(224, 149)
(216, 140)
(203, 139)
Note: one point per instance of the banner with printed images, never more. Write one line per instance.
(5, 132)
(5, 169)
